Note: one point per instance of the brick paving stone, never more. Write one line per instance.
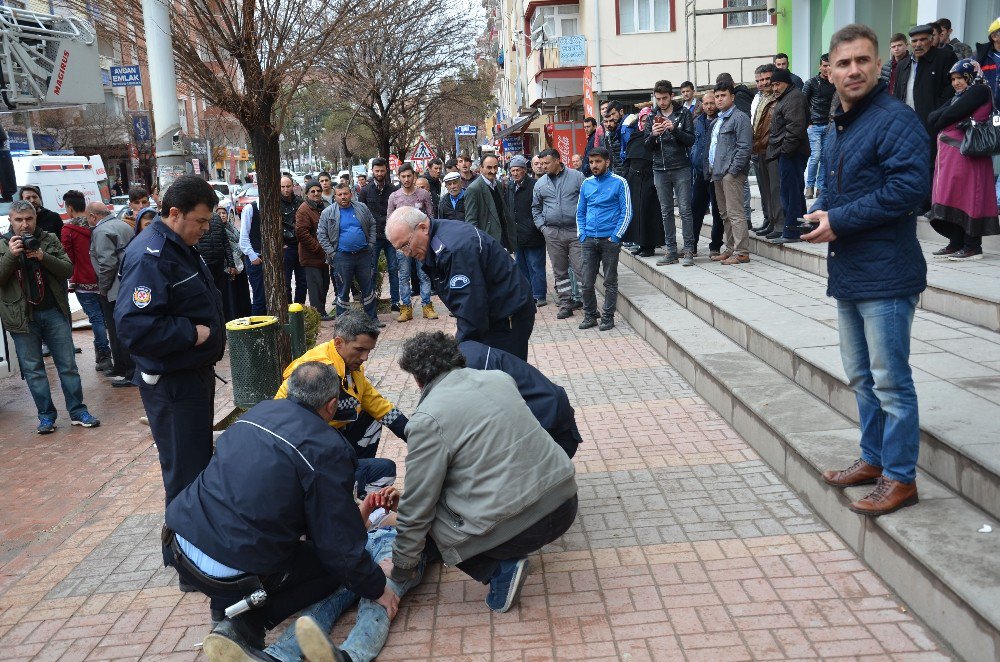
(687, 545)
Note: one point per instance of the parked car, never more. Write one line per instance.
(246, 196)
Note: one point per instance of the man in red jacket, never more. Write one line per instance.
(75, 237)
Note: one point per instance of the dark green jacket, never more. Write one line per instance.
(15, 312)
(481, 211)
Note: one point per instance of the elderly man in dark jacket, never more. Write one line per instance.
(880, 161)
(930, 88)
(789, 144)
(530, 240)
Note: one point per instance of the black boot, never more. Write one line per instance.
(103, 361)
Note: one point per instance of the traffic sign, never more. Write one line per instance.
(465, 130)
(393, 162)
(140, 128)
(423, 151)
(128, 76)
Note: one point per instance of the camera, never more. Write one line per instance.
(31, 242)
(804, 226)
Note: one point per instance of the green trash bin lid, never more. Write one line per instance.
(252, 322)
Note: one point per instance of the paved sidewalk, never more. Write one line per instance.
(687, 545)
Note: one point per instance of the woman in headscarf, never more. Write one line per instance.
(646, 228)
(312, 257)
(963, 199)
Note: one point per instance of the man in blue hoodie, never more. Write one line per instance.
(602, 216)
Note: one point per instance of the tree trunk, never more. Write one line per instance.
(267, 156)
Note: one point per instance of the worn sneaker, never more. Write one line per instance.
(687, 260)
(233, 639)
(86, 420)
(394, 307)
(588, 322)
(315, 645)
(945, 252)
(669, 258)
(429, 312)
(46, 425)
(607, 324)
(505, 586)
(121, 382)
(540, 302)
(564, 312)
(967, 254)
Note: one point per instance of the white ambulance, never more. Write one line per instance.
(55, 175)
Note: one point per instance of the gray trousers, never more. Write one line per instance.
(769, 183)
(604, 254)
(729, 193)
(563, 246)
(671, 184)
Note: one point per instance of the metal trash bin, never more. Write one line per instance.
(253, 357)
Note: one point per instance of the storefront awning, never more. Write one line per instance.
(519, 126)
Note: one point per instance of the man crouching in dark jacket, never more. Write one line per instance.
(879, 158)
(275, 504)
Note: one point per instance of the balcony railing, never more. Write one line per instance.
(563, 52)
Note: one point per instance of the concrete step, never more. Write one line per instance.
(782, 315)
(931, 554)
(966, 291)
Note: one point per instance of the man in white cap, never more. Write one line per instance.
(452, 203)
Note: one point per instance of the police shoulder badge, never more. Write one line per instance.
(458, 282)
(142, 296)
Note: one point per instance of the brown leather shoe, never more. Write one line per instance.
(887, 497)
(736, 259)
(725, 255)
(859, 473)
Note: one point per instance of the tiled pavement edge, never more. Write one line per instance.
(687, 545)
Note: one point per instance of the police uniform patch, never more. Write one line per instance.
(458, 282)
(142, 296)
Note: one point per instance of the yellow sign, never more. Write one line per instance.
(244, 155)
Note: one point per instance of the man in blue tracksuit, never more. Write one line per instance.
(602, 215)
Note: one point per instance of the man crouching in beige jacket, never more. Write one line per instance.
(485, 483)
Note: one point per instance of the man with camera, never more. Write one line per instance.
(34, 307)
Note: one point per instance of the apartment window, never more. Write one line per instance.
(550, 23)
(643, 16)
(746, 18)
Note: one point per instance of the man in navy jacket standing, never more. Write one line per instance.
(879, 157)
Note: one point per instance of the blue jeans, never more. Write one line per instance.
(49, 326)
(91, 304)
(816, 167)
(671, 184)
(292, 267)
(405, 289)
(793, 199)
(531, 260)
(369, 634)
(255, 274)
(875, 350)
(391, 266)
(347, 267)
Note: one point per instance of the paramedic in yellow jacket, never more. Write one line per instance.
(361, 410)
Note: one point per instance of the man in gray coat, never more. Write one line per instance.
(486, 208)
(485, 484)
(727, 163)
(347, 234)
(553, 209)
(108, 239)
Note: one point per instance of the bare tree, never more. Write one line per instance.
(469, 96)
(392, 79)
(248, 59)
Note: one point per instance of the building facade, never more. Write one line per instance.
(559, 59)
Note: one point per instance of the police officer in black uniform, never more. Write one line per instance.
(169, 317)
(473, 275)
(274, 511)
